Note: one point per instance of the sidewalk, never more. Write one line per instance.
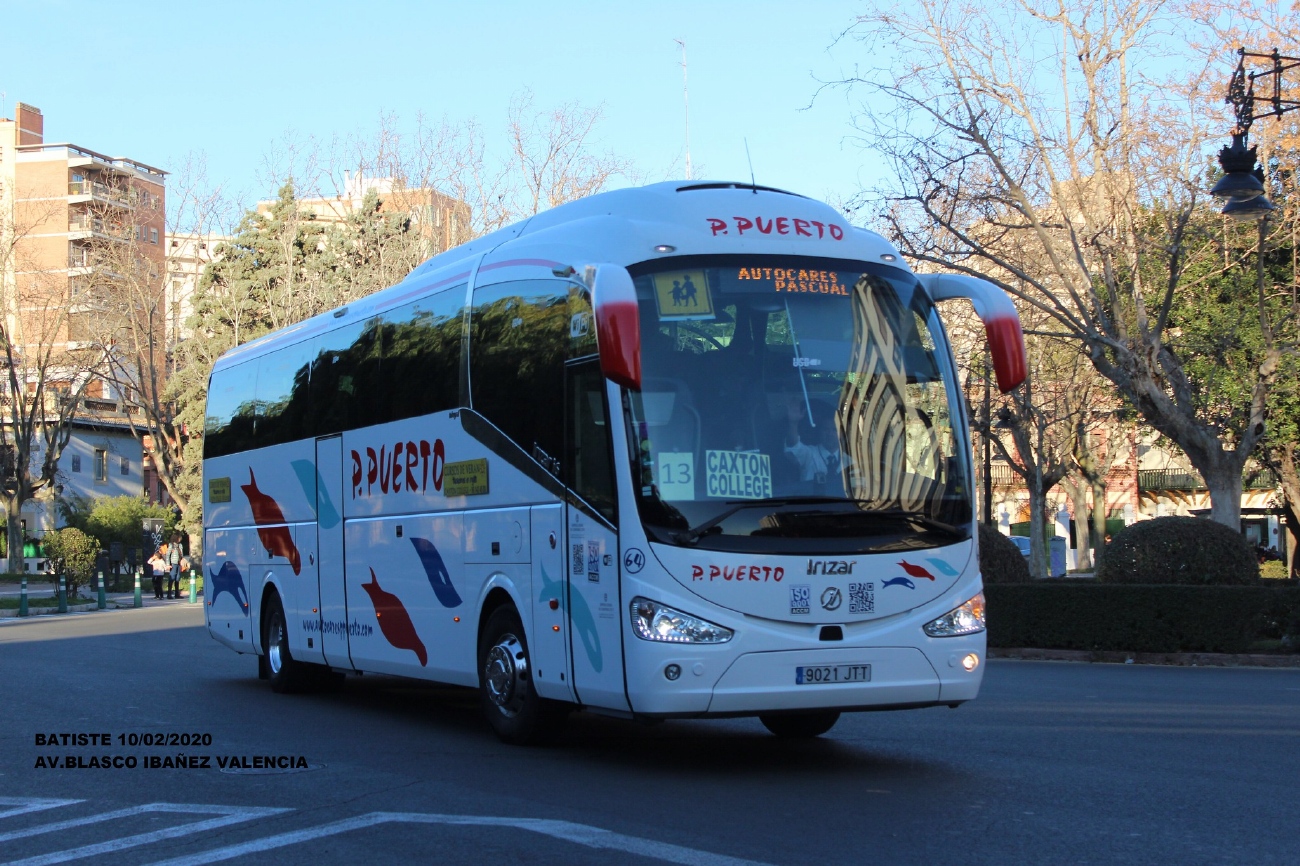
(88, 601)
(1204, 660)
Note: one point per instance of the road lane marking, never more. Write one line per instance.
(228, 815)
(582, 834)
(95, 819)
(23, 805)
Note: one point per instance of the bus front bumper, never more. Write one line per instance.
(767, 682)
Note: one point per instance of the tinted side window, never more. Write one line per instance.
(231, 411)
(519, 339)
(589, 463)
(344, 369)
(422, 347)
(282, 396)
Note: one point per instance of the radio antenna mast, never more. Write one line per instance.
(686, 99)
(753, 184)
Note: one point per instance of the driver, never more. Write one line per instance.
(814, 449)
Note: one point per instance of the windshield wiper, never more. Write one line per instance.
(919, 520)
(695, 533)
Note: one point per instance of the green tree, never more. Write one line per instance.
(72, 553)
(118, 518)
(279, 268)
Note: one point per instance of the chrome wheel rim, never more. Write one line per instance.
(275, 635)
(505, 675)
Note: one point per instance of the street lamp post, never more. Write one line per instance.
(1242, 184)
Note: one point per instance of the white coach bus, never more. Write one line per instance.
(689, 450)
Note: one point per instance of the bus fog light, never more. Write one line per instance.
(672, 672)
(654, 621)
(971, 662)
(967, 619)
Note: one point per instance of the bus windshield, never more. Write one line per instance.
(795, 404)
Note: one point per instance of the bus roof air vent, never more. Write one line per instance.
(745, 186)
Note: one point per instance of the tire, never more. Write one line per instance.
(513, 708)
(285, 674)
(800, 726)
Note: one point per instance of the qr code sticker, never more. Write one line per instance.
(593, 560)
(579, 558)
(862, 597)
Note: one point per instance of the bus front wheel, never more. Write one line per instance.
(512, 706)
(284, 673)
(800, 726)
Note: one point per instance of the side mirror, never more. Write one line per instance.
(618, 323)
(1001, 321)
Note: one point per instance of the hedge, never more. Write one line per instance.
(1179, 550)
(1141, 618)
(1000, 560)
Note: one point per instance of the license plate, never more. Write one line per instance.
(830, 674)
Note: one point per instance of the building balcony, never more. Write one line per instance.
(1157, 480)
(86, 225)
(93, 190)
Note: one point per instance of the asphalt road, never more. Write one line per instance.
(1055, 763)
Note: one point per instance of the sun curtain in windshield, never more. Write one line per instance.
(793, 398)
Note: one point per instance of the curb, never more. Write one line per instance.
(1221, 660)
(92, 607)
(48, 611)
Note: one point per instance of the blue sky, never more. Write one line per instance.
(154, 81)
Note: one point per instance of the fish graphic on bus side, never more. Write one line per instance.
(916, 570)
(277, 540)
(228, 579)
(898, 581)
(316, 490)
(394, 621)
(436, 570)
(583, 622)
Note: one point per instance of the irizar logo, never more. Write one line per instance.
(830, 566)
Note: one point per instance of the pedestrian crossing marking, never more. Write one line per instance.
(227, 815)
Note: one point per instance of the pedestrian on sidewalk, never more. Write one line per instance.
(157, 566)
(174, 566)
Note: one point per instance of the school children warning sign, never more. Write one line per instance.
(683, 295)
(738, 474)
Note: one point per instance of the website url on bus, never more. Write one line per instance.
(338, 627)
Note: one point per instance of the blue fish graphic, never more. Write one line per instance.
(583, 621)
(436, 570)
(899, 581)
(313, 486)
(228, 579)
(942, 567)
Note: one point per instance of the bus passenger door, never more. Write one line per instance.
(591, 562)
(550, 633)
(329, 551)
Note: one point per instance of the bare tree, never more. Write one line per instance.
(45, 373)
(1030, 149)
(551, 155)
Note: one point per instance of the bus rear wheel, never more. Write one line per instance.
(800, 726)
(285, 674)
(512, 706)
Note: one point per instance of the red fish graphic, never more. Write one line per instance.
(276, 539)
(394, 621)
(916, 570)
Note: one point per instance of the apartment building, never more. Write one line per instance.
(74, 222)
(68, 211)
(442, 220)
(188, 255)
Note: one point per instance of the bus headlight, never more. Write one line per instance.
(654, 621)
(967, 619)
